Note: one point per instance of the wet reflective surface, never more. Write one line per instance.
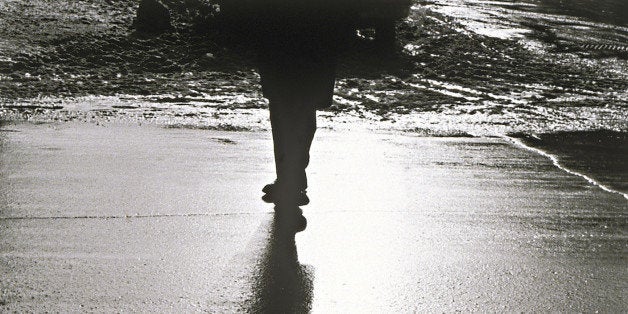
(397, 223)
(572, 22)
(96, 216)
(282, 284)
(605, 11)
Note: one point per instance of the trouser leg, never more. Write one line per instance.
(293, 127)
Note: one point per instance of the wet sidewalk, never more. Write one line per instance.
(125, 218)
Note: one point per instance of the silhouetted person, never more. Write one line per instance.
(297, 53)
(297, 44)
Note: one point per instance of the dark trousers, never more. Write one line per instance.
(294, 125)
(297, 57)
(297, 82)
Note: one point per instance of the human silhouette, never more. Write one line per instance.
(297, 43)
(297, 52)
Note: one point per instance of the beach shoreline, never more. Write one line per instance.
(480, 167)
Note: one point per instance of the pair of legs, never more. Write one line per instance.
(297, 53)
(296, 83)
(293, 124)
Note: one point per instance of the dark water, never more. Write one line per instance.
(604, 11)
(599, 155)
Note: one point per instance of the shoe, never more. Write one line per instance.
(300, 200)
(271, 196)
(269, 188)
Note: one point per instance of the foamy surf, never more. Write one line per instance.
(556, 162)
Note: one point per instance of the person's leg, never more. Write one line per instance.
(297, 72)
(277, 122)
(293, 127)
(301, 126)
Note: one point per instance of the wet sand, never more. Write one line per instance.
(100, 214)
(118, 217)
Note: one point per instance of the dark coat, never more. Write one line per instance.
(296, 44)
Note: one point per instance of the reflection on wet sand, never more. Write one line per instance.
(282, 284)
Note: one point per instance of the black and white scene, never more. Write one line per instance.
(323, 156)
